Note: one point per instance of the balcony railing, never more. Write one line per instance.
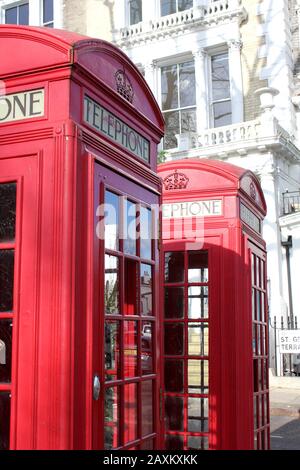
(174, 23)
(290, 202)
(228, 134)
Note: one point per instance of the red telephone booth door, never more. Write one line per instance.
(18, 221)
(125, 316)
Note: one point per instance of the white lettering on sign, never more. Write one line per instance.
(289, 341)
(24, 105)
(250, 218)
(108, 124)
(180, 209)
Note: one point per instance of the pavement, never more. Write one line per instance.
(285, 412)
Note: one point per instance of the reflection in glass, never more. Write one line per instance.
(4, 420)
(146, 232)
(135, 11)
(198, 339)
(198, 266)
(222, 114)
(6, 280)
(111, 418)
(171, 129)
(129, 227)
(7, 211)
(174, 266)
(147, 408)
(131, 287)
(174, 442)
(198, 302)
(197, 376)
(174, 413)
(147, 445)
(220, 77)
(197, 414)
(169, 87)
(174, 375)
(111, 220)
(146, 289)
(147, 348)
(187, 85)
(130, 412)
(174, 339)
(174, 304)
(5, 350)
(198, 443)
(112, 350)
(258, 312)
(111, 284)
(188, 120)
(130, 349)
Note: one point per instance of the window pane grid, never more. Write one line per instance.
(130, 365)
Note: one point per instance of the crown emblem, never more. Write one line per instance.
(124, 86)
(175, 181)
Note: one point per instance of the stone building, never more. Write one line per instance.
(227, 76)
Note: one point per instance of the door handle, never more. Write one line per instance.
(96, 387)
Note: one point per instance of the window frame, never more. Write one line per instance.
(128, 15)
(17, 5)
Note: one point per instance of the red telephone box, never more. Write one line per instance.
(79, 336)
(215, 317)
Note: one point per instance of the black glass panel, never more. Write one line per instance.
(4, 420)
(174, 305)
(174, 267)
(7, 211)
(6, 280)
(174, 376)
(174, 413)
(174, 442)
(198, 266)
(174, 339)
(5, 350)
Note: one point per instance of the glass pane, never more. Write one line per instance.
(174, 413)
(112, 350)
(131, 287)
(130, 349)
(6, 280)
(4, 420)
(147, 348)
(171, 129)
(111, 219)
(198, 266)
(147, 408)
(255, 412)
(146, 233)
(7, 211)
(111, 418)
(167, 7)
(184, 4)
(174, 442)
(188, 121)
(197, 414)
(147, 445)
(198, 339)
(135, 11)
(253, 304)
(173, 376)
(258, 312)
(169, 87)
(47, 11)
(130, 412)
(198, 302)
(174, 339)
(174, 266)
(197, 376)
(129, 227)
(263, 310)
(146, 289)
(174, 304)
(24, 14)
(5, 350)
(198, 443)
(220, 77)
(111, 284)
(11, 15)
(187, 87)
(222, 114)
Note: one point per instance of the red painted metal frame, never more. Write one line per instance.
(227, 238)
(57, 269)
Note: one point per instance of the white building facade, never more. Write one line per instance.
(225, 73)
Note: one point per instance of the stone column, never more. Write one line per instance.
(202, 101)
(236, 80)
(150, 69)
